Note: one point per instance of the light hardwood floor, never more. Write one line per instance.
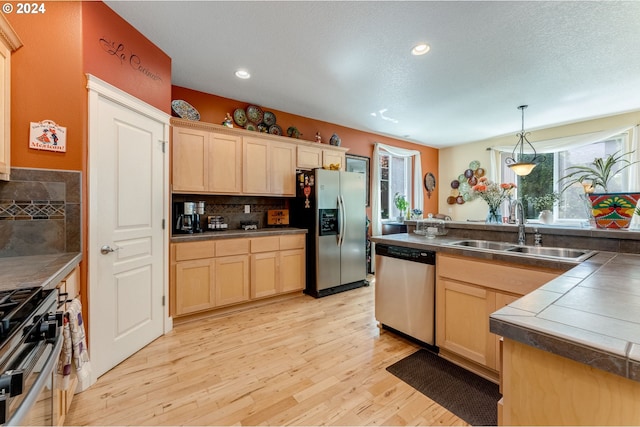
(302, 361)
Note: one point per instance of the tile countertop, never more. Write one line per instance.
(37, 270)
(590, 314)
(235, 234)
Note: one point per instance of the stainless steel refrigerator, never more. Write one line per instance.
(331, 205)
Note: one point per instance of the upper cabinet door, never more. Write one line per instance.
(283, 169)
(224, 165)
(255, 174)
(190, 154)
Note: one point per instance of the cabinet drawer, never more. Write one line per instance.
(294, 241)
(194, 250)
(232, 247)
(265, 244)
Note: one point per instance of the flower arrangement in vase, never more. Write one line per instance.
(494, 194)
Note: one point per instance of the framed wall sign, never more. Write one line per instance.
(359, 164)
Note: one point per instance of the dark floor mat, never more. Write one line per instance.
(470, 397)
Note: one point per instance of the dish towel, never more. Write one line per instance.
(74, 348)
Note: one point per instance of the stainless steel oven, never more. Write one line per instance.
(31, 333)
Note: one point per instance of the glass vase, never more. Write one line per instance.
(494, 216)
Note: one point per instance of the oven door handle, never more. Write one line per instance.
(32, 394)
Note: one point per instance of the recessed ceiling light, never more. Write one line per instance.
(420, 49)
(243, 74)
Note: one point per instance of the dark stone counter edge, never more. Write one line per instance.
(616, 363)
(50, 275)
(235, 234)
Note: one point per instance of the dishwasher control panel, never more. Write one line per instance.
(409, 254)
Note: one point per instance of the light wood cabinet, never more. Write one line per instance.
(464, 321)
(292, 270)
(195, 286)
(269, 167)
(206, 162)
(9, 42)
(468, 290)
(309, 157)
(231, 279)
(332, 157)
(217, 273)
(277, 265)
(543, 389)
(225, 157)
(213, 159)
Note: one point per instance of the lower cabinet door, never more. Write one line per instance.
(194, 286)
(232, 279)
(264, 274)
(292, 270)
(463, 321)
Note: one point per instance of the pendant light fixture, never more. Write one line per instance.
(517, 165)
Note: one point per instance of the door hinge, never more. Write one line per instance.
(163, 222)
(163, 298)
(164, 145)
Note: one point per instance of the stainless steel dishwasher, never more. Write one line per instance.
(405, 291)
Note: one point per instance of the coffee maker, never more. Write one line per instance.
(187, 217)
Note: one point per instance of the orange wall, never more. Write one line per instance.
(117, 53)
(213, 108)
(47, 83)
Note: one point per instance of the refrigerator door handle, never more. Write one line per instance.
(341, 219)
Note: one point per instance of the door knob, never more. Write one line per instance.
(107, 249)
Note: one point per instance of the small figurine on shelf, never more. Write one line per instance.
(318, 138)
(335, 140)
(228, 121)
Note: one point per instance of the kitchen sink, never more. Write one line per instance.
(535, 251)
(554, 252)
(484, 244)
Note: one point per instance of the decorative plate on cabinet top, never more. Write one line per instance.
(255, 114)
(250, 126)
(269, 118)
(240, 117)
(275, 130)
(184, 110)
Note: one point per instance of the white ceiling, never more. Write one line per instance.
(339, 61)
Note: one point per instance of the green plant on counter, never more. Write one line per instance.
(598, 173)
(545, 202)
(400, 200)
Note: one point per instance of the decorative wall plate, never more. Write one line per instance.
(184, 110)
(269, 118)
(275, 130)
(429, 183)
(250, 126)
(255, 114)
(240, 117)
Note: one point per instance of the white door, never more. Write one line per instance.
(127, 247)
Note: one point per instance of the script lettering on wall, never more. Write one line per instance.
(119, 51)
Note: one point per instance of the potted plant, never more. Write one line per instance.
(400, 200)
(544, 204)
(610, 210)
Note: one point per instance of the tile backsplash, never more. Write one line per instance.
(232, 207)
(40, 212)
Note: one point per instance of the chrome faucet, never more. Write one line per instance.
(520, 214)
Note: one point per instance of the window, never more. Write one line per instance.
(395, 177)
(572, 208)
